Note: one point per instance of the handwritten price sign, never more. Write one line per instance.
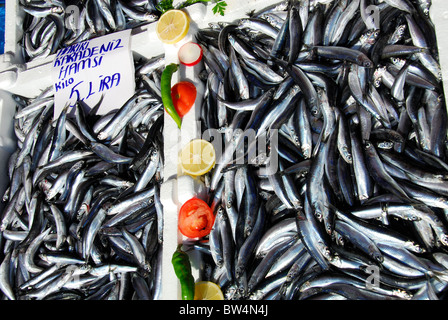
(100, 68)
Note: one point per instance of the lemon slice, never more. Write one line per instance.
(206, 290)
(197, 157)
(172, 26)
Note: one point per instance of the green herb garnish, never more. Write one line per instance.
(190, 2)
(220, 7)
(165, 5)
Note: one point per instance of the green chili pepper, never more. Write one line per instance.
(165, 89)
(182, 269)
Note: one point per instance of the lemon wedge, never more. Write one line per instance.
(172, 26)
(207, 290)
(197, 157)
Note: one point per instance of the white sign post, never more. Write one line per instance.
(100, 68)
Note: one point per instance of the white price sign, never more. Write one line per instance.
(100, 68)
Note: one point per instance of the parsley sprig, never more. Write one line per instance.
(219, 7)
(165, 5)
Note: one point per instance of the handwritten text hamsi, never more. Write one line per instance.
(100, 69)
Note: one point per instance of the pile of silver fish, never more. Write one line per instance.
(52, 24)
(82, 216)
(358, 206)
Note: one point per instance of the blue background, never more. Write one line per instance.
(2, 26)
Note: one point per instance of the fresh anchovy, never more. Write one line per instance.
(249, 104)
(398, 50)
(5, 283)
(313, 237)
(358, 239)
(342, 53)
(380, 174)
(94, 17)
(403, 5)
(357, 148)
(329, 280)
(249, 244)
(241, 47)
(419, 39)
(258, 25)
(242, 83)
(152, 65)
(215, 244)
(295, 34)
(264, 70)
(381, 234)
(266, 263)
(72, 195)
(42, 11)
(364, 184)
(343, 19)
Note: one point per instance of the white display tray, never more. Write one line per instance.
(28, 79)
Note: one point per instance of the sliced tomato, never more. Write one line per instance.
(196, 219)
(183, 95)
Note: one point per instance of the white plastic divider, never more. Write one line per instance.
(8, 142)
(13, 32)
(178, 188)
(439, 16)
